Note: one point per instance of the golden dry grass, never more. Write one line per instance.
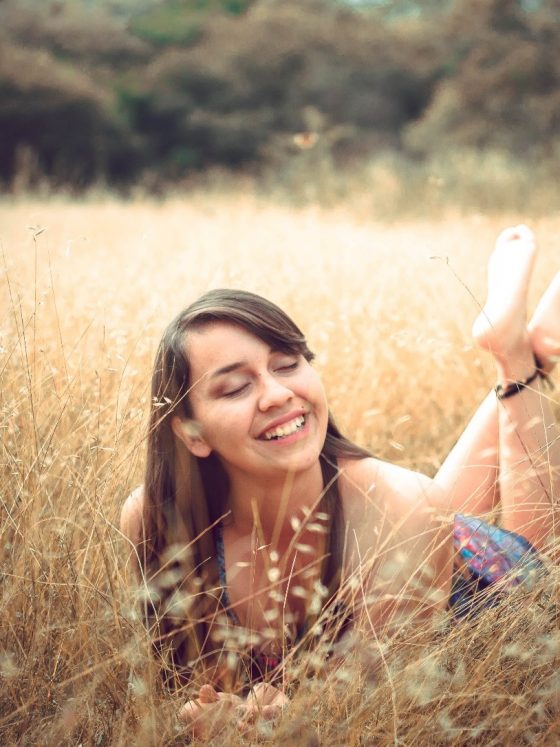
(388, 310)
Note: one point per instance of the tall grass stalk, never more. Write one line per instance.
(85, 295)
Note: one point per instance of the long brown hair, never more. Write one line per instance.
(185, 497)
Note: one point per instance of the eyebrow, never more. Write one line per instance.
(228, 369)
(234, 366)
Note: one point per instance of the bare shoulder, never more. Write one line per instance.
(398, 540)
(380, 498)
(393, 487)
(131, 516)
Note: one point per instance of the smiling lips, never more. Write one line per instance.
(286, 429)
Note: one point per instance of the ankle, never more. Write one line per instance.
(508, 389)
(546, 349)
(516, 366)
(504, 391)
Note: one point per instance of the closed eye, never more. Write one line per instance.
(235, 392)
(288, 366)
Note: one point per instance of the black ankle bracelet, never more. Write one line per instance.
(503, 392)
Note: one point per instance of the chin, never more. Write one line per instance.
(299, 462)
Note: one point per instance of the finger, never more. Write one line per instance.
(205, 719)
(280, 699)
(265, 694)
(251, 715)
(234, 700)
(271, 712)
(262, 694)
(207, 694)
(246, 716)
(190, 712)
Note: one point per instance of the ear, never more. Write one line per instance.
(188, 431)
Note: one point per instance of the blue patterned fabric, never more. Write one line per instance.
(489, 558)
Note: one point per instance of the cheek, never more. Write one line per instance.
(312, 390)
(203, 416)
(317, 391)
(220, 424)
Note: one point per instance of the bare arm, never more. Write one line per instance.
(398, 544)
(131, 525)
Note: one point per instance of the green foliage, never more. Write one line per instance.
(181, 22)
(249, 88)
(90, 38)
(503, 90)
(120, 88)
(63, 117)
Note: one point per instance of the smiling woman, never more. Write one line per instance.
(241, 449)
(260, 529)
(263, 411)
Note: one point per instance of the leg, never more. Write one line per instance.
(544, 327)
(529, 462)
(529, 439)
(469, 474)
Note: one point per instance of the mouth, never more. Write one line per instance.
(284, 430)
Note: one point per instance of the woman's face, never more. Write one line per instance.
(260, 410)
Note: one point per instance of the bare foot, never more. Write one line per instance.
(500, 328)
(544, 327)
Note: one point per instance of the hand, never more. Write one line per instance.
(265, 701)
(212, 710)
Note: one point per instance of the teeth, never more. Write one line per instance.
(285, 430)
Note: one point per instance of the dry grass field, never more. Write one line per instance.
(86, 290)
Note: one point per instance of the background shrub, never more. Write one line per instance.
(168, 88)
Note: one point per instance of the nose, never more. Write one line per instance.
(273, 393)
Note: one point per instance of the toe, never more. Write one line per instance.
(524, 232)
(507, 235)
(520, 232)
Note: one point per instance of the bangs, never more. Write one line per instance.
(255, 314)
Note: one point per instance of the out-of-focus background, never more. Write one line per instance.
(354, 163)
(458, 100)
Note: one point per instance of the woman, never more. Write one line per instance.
(261, 529)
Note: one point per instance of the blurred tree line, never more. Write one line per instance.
(121, 91)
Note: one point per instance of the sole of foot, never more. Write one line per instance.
(501, 328)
